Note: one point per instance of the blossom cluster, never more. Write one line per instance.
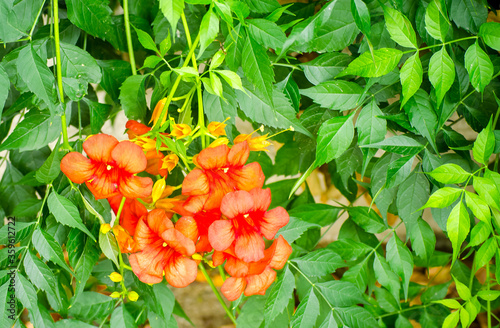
(222, 210)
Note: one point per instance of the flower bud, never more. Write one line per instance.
(197, 256)
(216, 129)
(180, 130)
(133, 296)
(115, 294)
(115, 277)
(218, 142)
(157, 112)
(158, 188)
(170, 162)
(105, 228)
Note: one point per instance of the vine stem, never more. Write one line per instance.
(216, 292)
(65, 145)
(122, 203)
(441, 44)
(129, 37)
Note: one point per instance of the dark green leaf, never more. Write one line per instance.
(92, 305)
(48, 248)
(479, 67)
(400, 260)
(422, 239)
(40, 274)
(398, 171)
(266, 33)
(338, 94)
(422, 116)
(319, 262)
(341, 293)
(334, 137)
(78, 64)
(122, 318)
(357, 317)
(468, 14)
(361, 16)
(321, 214)
(294, 229)
(280, 295)
(257, 68)
(132, 97)
(412, 195)
(84, 267)
(50, 168)
(367, 219)
(4, 88)
(385, 276)
(307, 312)
(114, 73)
(66, 212)
(399, 145)
(165, 299)
(22, 230)
(98, 114)
(349, 249)
(381, 62)
(27, 208)
(325, 67)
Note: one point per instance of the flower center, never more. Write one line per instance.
(225, 169)
(165, 244)
(109, 167)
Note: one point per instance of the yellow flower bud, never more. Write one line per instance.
(211, 264)
(157, 112)
(197, 256)
(218, 142)
(158, 188)
(133, 296)
(216, 129)
(115, 277)
(115, 294)
(180, 130)
(105, 228)
(169, 162)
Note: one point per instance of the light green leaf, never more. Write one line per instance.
(484, 145)
(411, 75)
(436, 21)
(443, 197)
(462, 289)
(478, 207)
(479, 234)
(449, 303)
(361, 16)
(400, 260)
(172, 10)
(307, 312)
(451, 321)
(441, 72)
(380, 63)
(490, 32)
(65, 212)
(400, 28)
(132, 97)
(231, 78)
(334, 137)
(479, 67)
(449, 173)
(337, 95)
(109, 247)
(280, 295)
(4, 88)
(485, 253)
(145, 39)
(257, 68)
(422, 239)
(458, 227)
(165, 298)
(489, 295)
(487, 190)
(84, 267)
(319, 262)
(49, 249)
(209, 29)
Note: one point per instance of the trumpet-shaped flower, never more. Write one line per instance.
(180, 130)
(165, 250)
(221, 170)
(132, 211)
(110, 168)
(256, 143)
(247, 221)
(216, 129)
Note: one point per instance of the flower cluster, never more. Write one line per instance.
(221, 209)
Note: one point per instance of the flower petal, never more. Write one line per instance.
(233, 287)
(135, 187)
(103, 183)
(99, 147)
(281, 253)
(261, 199)
(149, 264)
(272, 221)
(180, 243)
(239, 153)
(129, 157)
(236, 203)
(181, 271)
(195, 183)
(213, 158)
(159, 221)
(218, 258)
(187, 226)
(221, 234)
(236, 267)
(259, 283)
(247, 177)
(77, 167)
(136, 129)
(249, 247)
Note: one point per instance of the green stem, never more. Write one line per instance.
(403, 310)
(441, 44)
(129, 37)
(65, 145)
(122, 203)
(36, 20)
(216, 292)
(201, 115)
(79, 121)
(488, 303)
(176, 84)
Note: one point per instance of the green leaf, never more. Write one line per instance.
(458, 227)
(34, 132)
(422, 239)
(325, 67)
(436, 21)
(341, 293)
(400, 260)
(27, 208)
(337, 95)
(114, 73)
(478, 207)
(280, 295)
(172, 10)
(43, 278)
(251, 313)
(367, 219)
(257, 68)
(50, 168)
(449, 173)
(422, 116)
(381, 62)
(98, 114)
(385, 276)
(291, 90)
(479, 67)
(490, 32)
(357, 317)
(349, 249)
(322, 214)
(94, 17)
(307, 312)
(266, 33)
(22, 230)
(485, 253)
(217, 109)
(449, 303)
(451, 321)
(484, 145)
(411, 75)
(334, 137)
(65, 212)
(412, 195)
(469, 14)
(329, 322)
(400, 28)
(92, 305)
(401, 145)
(443, 197)
(78, 64)
(109, 247)
(479, 234)
(209, 29)
(84, 267)
(26, 293)
(48, 248)
(361, 16)
(165, 299)
(145, 39)
(398, 171)
(231, 78)
(122, 318)
(132, 97)
(37, 76)
(462, 289)
(488, 295)
(487, 190)
(4, 88)
(441, 72)
(319, 262)
(294, 229)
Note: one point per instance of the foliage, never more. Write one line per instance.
(368, 92)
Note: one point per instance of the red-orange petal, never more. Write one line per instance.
(135, 187)
(239, 154)
(136, 129)
(181, 271)
(159, 221)
(187, 226)
(180, 243)
(221, 234)
(213, 158)
(236, 267)
(102, 186)
(129, 157)
(261, 198)
(99, 147)
(195, 183)
(247, 177)
(77, 167)
(281, 253)
(259, 283)
(249, 247)
(235, 203)
(233, 287)
(272, 221)
(148, 265)
(218, 258)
